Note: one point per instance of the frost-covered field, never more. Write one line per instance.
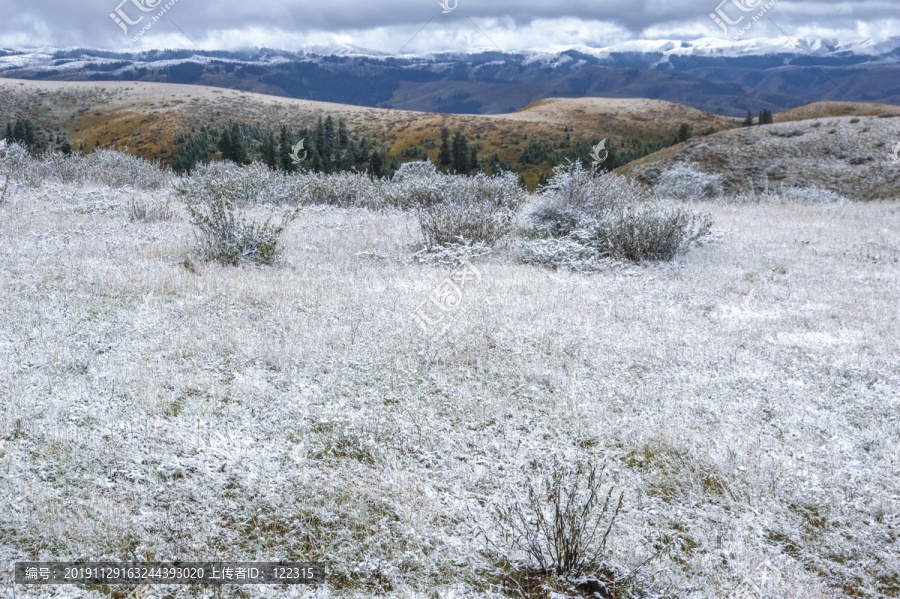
(745, 399)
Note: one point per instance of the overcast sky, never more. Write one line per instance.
(392, 25)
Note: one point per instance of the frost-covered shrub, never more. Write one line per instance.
(214, 198)
(423, 168)
(584, 218)
(143, 211)
(563, 522)
(227, 236)
(21, 167)
(563, 252)
(118, 169)
(344, 189)
(684, 182)
(255, 183)
(469, 210)
(573, 186)
(104, 167)
(573, 194)
(782, 194)
(649, 232)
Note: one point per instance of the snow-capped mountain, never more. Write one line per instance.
(724, 76)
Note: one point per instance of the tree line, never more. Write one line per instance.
(328, 147)
(765, 118)
(38, 141)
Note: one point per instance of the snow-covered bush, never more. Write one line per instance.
(782, 194)
(684, 182)
(564, 521)
(106, 167)
(573, 194)
(422, 168)
(344, 189)
(469, 210)
(215, 194)
(228, 236)
(585, 218)
(647, 232)
(143, 211)
(563, 252)
(253, 184)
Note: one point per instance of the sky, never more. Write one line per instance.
(422, 26)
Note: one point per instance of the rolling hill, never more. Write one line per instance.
(147, 117)
(845, 147)
(849, 154)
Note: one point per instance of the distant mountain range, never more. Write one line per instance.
(710, 74)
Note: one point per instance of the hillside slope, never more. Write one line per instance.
(849, 155)
(818, 110)
(147, 117)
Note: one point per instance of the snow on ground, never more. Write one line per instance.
(744, 399)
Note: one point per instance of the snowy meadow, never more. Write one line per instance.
(740, 392)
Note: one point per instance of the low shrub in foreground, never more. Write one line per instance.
(647, 232)
(149, 211)
(470, 210)
(554, 538)
(584, 219)
(685, 182)
(226, 235)
(574, 194)
(105, 167)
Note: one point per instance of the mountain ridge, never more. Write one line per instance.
(709, 74)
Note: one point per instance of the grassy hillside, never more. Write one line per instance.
(847, 154)
(147, 117)
(819, 110)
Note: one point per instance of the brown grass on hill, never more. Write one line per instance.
(819, 110)
(848, 155)
(147, 117)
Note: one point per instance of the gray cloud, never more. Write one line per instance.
(387, 24)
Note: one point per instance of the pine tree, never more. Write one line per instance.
(460, 153)
(225, 145)
(285, 147)
(377, 162)
(343, 134)
(269, 151)
(684, 133)
(473, 159)
(765, 117)
(238, 150)
(748, 122)
(445, 156)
